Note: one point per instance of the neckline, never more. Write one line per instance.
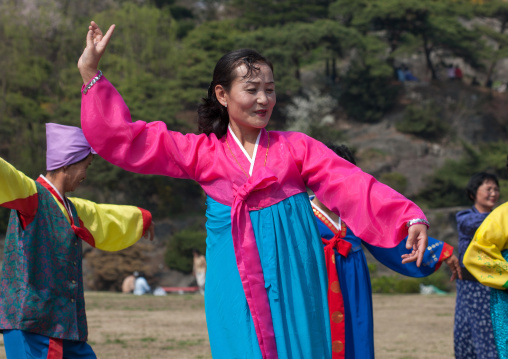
(239, 155)
(62, 199)
(251, 160)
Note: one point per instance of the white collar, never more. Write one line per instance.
(64, 200)
(253, 159)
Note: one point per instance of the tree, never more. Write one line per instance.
(496, 10)
(270, 13)
(433, 23)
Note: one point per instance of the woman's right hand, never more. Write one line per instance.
(96, 45)
(454, 265)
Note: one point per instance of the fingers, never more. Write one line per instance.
(108, 34)
(422, 245)
(152, 232)
(411, 237)
(89, 38)
(454, 265)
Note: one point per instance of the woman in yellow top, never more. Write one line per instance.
(486, 258)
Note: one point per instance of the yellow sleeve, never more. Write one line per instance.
(483, 257)
(17, 191)
(113, 227)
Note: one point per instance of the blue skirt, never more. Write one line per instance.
(499, 313)
(295, 277)
(473, 335)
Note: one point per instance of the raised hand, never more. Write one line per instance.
(96, 44)
(416, 241)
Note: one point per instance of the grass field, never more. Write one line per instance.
(126, 326)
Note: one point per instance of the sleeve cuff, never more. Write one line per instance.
(147, 219)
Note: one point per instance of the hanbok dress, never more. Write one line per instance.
(487, 259)
(352, 274)
(41, 287)
(266, 284)
(473, 334)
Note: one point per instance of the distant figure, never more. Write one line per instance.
(141, 285)
(475, 82)
(458, 73)
(450, 72)
(128, 284)
(400, 74)
(409, 75)
(199, 269)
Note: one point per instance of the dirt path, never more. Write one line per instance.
(126, 326)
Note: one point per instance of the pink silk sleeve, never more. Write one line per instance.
(375, 212)
(148, 148)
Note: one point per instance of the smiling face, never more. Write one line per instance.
(486, 196)
(250, 100)
(76, 173)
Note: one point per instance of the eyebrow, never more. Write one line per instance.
(258, 82)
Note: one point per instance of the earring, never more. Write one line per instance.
(226, 105)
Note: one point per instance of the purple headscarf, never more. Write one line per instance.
(65, 145)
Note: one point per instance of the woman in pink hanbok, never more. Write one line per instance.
(266, 284)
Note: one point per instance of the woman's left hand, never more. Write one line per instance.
(416, 241)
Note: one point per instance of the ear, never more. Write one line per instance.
(221, 95)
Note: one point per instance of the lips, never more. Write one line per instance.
(261, 112)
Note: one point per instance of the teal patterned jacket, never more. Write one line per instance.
(41, 288)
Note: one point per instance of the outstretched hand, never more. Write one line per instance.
(96, 44)
(454, 265)
(416, 241)
(150, 231)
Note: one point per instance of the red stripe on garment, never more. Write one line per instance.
(55, 348)
(147, 219)
(82, 232)
(335, 299)
(26, 207)
(446, 253)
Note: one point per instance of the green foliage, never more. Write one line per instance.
(435, 23)
(424, 121)
(162, 55)
(264, 13)
(368, 92)
(446, 186)
(397, 284)
(178, 254)
(395, 180)
(372, 268)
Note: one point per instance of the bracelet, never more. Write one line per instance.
(418, 221)
(91, 83)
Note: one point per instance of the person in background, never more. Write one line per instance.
(42, 306)
(141, 286)
(128, 284)
(351, 311)
(458, 73)
(486, 259)
(199, 269)
(450, 72)
(473, 335)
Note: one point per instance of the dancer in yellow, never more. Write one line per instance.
(42, 306)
